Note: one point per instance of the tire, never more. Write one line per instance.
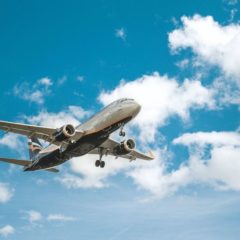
(97, 163)
(102, 164)
(122, 134)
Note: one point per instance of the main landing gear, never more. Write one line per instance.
(100, 163)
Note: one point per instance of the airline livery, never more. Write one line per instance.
(91, 137)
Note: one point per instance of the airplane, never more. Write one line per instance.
(91, 137)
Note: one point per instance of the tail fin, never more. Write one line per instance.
(34, 147)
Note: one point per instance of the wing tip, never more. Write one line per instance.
(151, 155)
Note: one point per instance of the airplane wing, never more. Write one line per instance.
(25, 163)
(110, 144)
(44, 133)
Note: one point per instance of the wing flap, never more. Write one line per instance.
(54, 170)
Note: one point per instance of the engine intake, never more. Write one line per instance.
(124, 147)
(65, 132)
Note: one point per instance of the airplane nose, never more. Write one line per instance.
(136, 108)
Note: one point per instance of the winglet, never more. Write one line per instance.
(150, 154)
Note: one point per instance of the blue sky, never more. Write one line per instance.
(62, 61)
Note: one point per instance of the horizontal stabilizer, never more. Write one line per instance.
(25, 163)
(15, 161)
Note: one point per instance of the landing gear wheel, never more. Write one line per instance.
(122, 134)
(102, 164)
(97, 163)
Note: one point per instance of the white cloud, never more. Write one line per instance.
(210, 41)
(213, 138)
(233, 13)
(154, 177)
(161, 98)
(33, 216)
(73, 181)
(174, 21)
(219, 166)
(213, 161)
(88, 175)
(6, 192)
(231, 2)
(7, 230)
(225, 93)
(41, 182)
(12, 141)
(71, 115)
(62, 80)
(80, 78)
(60, 218)
(33, 93)
(183, 63)
(45, 82)
(121, 33)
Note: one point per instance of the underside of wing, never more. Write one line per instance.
(44, 133)
(109, 146)
(143, 156)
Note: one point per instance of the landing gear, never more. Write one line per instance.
(122, 133)
(100, 163)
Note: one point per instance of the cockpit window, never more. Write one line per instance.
(124, 100)
(119, 101)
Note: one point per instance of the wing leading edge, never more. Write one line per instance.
(44, 133)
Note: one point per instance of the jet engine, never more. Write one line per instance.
(124, 147)
(64, 133)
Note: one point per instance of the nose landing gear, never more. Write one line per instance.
(122, 133)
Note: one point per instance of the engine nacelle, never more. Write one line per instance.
(124, 147)
(65, 132)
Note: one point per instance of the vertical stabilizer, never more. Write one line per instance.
(34, 147)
